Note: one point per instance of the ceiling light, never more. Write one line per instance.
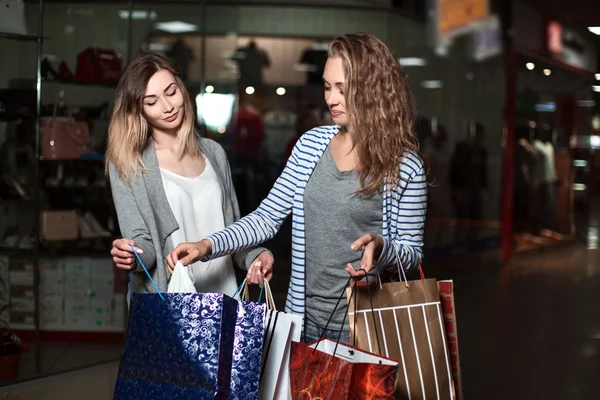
(280, 91)
(432, 84)
(209, 89)
(530, 66)
(598, 77)
(594, 29)
(176, 27)
(412, 62)
(221, 130)
(137, 14)
(596, 88)
(547, 72)
(585, 103)
(249, 90)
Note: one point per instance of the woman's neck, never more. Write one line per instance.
(345, 136)
(165, 140)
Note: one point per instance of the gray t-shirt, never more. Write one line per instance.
(335, 218)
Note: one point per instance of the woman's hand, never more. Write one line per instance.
(188, 253)
(261, 268)
(122, 254)
(371, 246)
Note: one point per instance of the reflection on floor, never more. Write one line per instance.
(94, 383)
(530, 330)
(58, 357)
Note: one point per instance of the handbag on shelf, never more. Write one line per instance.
(59, 225)
(98, 66)
(64, 139)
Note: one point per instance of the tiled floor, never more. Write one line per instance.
(95, 383)
(59, 357)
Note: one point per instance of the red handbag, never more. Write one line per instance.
(98, 66)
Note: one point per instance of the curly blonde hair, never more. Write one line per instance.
(380, 106)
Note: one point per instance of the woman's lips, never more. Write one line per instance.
(172, 117)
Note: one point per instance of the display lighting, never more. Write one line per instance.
(594, 29)
(530, 66)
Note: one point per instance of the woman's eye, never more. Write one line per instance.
(327, 89)
(150, 104)
(172, 93)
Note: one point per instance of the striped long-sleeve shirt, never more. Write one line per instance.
(404, 209)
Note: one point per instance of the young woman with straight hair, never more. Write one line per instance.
(169, 185)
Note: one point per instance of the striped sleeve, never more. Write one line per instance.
(262, 224)
(408, 211)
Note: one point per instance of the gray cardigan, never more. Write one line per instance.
(146, 218)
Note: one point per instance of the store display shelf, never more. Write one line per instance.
(76, 83)
(99, 336)
(66, 328)
(19, 37)
(83, 157)
(16, 252)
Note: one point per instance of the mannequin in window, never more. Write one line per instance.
(251, 60)
(313, 61)
(247, 133)
(439, 199)
(182, 56)
(526, 181)
(544, 149)
(468, 176)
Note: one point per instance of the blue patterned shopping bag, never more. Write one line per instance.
(247, 348)
(178, 346)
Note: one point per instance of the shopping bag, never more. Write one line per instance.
(280, 330)
(407, 319)
(247, 349)
(446, 289)
(177, 346)
(322, 371)
(330, 370)
(181, 281)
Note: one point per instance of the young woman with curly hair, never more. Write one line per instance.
(357, 190)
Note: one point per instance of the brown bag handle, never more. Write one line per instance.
(70, 116)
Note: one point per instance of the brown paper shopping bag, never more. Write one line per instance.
(404, 321)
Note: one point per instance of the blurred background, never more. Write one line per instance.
(509, 127)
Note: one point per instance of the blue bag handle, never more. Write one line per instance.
(147, 273)
(239, 289)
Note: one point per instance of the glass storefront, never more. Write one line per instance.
(255, 75)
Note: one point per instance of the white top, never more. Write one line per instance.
(545, 153)
(197, 206)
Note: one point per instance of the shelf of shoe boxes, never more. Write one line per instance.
(77, 294)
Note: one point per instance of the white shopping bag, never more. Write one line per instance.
(181, 281)
(280, 330)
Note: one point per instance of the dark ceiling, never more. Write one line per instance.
(577, 12)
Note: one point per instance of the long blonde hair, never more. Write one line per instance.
(128, 132)
(381, 108)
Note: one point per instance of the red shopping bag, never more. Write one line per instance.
(341, 372)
